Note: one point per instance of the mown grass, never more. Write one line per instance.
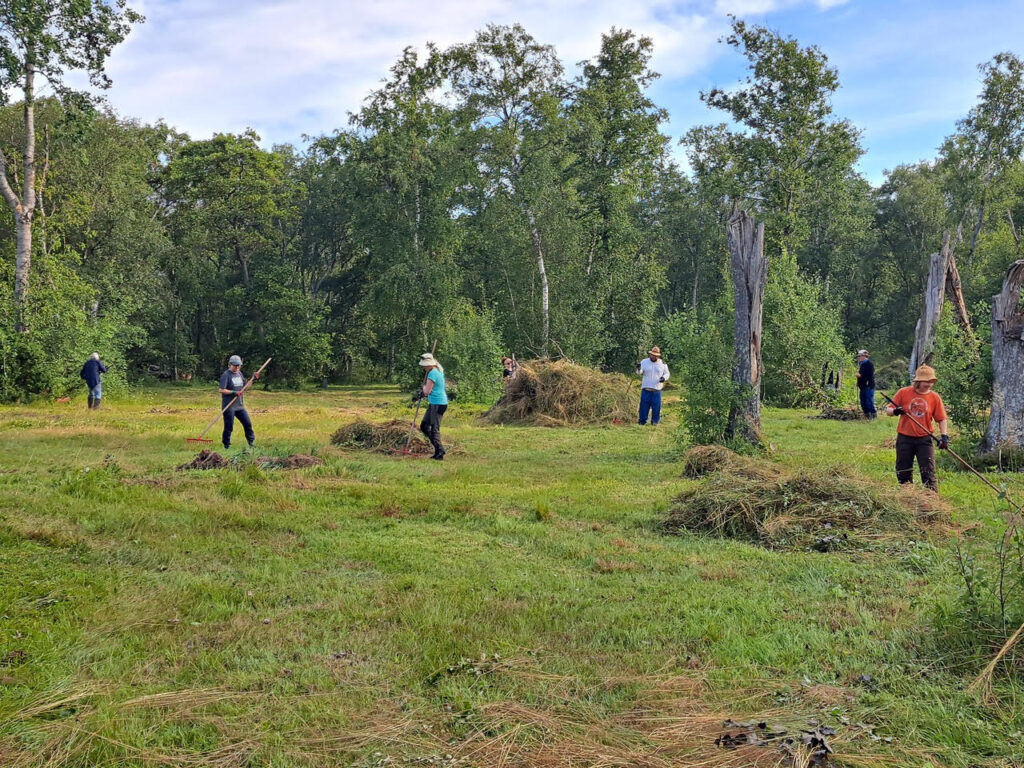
(515, 604)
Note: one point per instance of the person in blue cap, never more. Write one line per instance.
(232, 382)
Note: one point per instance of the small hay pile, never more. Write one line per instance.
(295, 461)
(820, 509)
(205, 460)
(839, 414)
(390, 437)
(557, 393)
(702, 460)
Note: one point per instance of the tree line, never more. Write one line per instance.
(484, 199)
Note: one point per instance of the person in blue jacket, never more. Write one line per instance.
(437, 403)
(91, 375)
(232, 382)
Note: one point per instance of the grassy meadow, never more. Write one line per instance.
(513, 605)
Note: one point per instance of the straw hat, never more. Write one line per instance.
(925, 373)
(427, 360)
(655, 352)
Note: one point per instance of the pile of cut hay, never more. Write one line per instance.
(205, 460)
(756, 500)
(702, 460)
(557, 393)
(295, 461)
(390, 437)
(839, 414)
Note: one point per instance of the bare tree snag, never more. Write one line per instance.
(927, 325)
(955, 294)
(1006, 422)
(749, 275)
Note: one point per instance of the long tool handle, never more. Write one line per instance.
(957, 456)
(240, 393)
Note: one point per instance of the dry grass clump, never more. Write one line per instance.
(839, 414)
(557, 393)
(390, 437)
(205, 460)
(702, 460)
(819, 508)
(295, 461)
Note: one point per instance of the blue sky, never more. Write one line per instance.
(292, 67)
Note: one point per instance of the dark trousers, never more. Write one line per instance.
(431, 426)
(650, 402)
(907, 449)
(867, 402)
(229, 422)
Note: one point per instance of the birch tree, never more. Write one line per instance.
(40, 42)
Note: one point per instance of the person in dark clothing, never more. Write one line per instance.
(232, 383)
(866, 384)
(437, 403)
(91, 375)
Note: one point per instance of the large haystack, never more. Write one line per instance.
(821, 509)
(557, 393)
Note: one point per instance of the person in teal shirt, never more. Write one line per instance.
(437, 403)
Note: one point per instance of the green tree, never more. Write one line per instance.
(47, 39)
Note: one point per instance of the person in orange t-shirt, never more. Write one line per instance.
(912, 441)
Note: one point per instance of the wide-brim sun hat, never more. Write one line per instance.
(234, 360)
(655, 351)
(925, 373)
(427, 360)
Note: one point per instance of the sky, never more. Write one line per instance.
(292, 68)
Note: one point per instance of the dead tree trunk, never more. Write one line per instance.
(749, 275)
(927, 325)
(955, 294)
(1006, 422)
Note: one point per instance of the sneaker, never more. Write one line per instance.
(438, 456)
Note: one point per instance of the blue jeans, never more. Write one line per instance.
(97, 391)
(867, 402)
(650, 401)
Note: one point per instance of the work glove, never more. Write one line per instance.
(661, 380)
(418, 396)
(897, 411)
(944, 442)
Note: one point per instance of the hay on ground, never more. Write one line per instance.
(295, 461)
(205, 460)
(839, 414)
(702, 460)
(390, 437)
(557, 393)
(821, 509)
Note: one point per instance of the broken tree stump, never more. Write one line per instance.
(935, 291)
(1006, 421)
(749, 275)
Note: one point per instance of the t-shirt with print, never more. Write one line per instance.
(437, 394)
(924, 408)
(235, 382)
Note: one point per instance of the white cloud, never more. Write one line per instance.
(291, 66)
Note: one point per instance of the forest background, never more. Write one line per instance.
(483, 199)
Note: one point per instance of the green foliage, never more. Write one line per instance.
(471, 353)
(965, 376)
(700, 349)
(801, 334)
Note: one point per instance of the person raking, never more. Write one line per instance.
(437, 403)
(919, 401)
(232, 382)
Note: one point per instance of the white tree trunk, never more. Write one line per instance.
(749, 275)
(934, 293)
(1006, 422)
(545, 307)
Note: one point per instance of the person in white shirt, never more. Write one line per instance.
(655, 374)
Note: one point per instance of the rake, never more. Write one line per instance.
(202, 435)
